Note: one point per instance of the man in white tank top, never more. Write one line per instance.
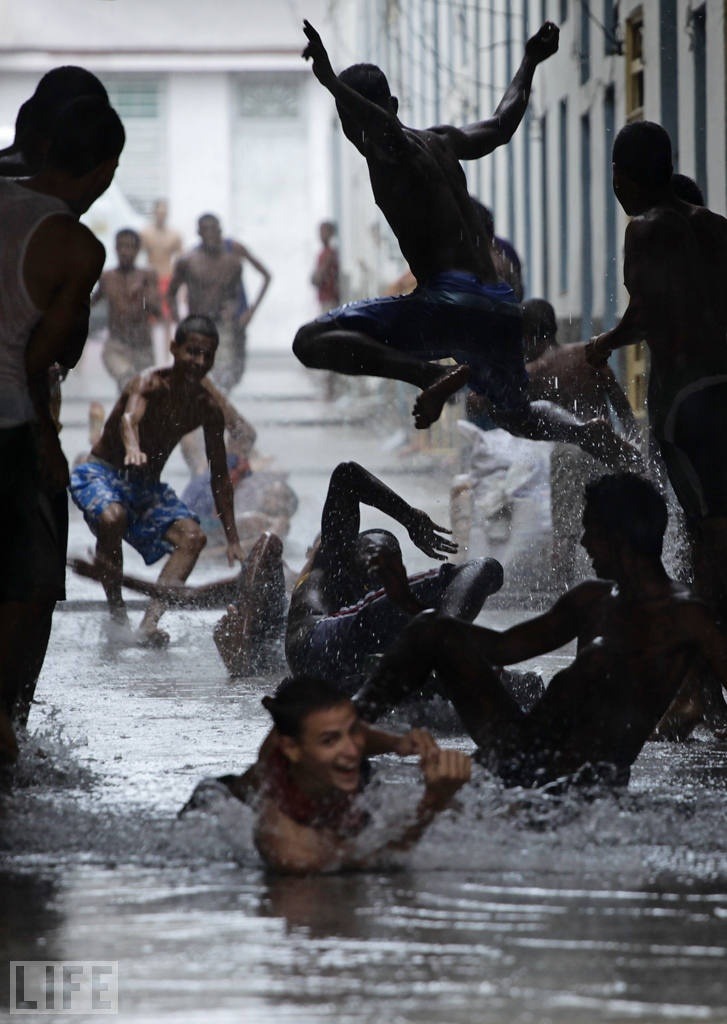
(49, 263)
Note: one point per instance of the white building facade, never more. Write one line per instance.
(222, 115)
(550, 189)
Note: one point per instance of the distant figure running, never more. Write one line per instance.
(133, 298)
(161, 245)
(212, 274)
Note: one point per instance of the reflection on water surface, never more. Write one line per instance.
(517, 908)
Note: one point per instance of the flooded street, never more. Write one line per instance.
(514, 909)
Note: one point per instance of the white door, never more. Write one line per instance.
(271, 202)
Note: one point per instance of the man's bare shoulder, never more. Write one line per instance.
(150, 382)
(709, 227)
(236, 248)
(703, 215)
(291, 848)
(589, 590)
(582, 597)
(686, 600)
(663, 225)
(182, 263)
(444, 134)
(65, 236)
(652, 225)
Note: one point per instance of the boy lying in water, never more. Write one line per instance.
(310, 772)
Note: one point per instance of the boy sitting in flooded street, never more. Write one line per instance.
(119, 489)
(638, 633)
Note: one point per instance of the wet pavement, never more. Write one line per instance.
(514, 909)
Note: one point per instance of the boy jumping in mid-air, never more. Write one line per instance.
(459, 307)
(119, 489)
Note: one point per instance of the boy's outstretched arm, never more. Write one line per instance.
(291, 848)
(376, 125)
(351, 485)
(220, 482)
(479, 139)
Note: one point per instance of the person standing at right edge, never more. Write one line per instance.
(675, 268)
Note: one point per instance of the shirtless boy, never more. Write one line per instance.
(212, 274)
(459, 308)
(312, 770)
(675, 268)
(161, 245)
(638, 632)
(119, 489)
(353, 597)
(133, 297)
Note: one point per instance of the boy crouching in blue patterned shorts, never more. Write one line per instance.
(119, 489)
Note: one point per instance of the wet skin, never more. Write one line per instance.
(329, 751)
(637, 636)
(132, 294)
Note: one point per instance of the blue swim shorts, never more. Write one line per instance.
(453, 315)
(150, 505)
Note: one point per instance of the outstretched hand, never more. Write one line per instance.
(426, 535)
(445, 771)
(316, 52)
(418, 742)
(135, 457)
(234, 553)
(544, 43)
(597, 352)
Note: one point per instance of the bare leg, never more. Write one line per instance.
(454, 650)
(329, 347)
(30, 663)
(15, 619)
(544, 421)
(709, 553)
(188, 540)
(684, 713)
(428, 406)
(258, 615)
(110, 530)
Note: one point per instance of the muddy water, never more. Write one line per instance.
(514, 908)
